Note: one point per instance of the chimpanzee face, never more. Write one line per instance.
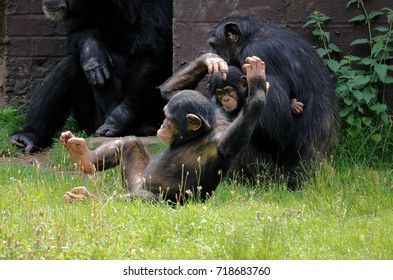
(227, 97)
(55, 10)
(168, 132)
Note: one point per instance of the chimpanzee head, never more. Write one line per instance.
(231, 34)
(189, 114)
(55, 10)
(231, 92)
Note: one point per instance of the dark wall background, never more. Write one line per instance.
(2, 5)
(194, 20)
(33, 45)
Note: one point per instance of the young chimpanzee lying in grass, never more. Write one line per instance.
(202, 144)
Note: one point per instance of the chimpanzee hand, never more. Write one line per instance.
(216, 65)
(296, 107)
(95, 61)
(256, 74)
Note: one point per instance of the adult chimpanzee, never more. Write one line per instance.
(202, 145)
(283, 142)
(118, 53)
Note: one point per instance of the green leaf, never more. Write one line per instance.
(360, 81)
(350, 2)
(367, 61)
(367, 121)
(389, 15)
(382, 29)
(381, 70)
(341, 89)
(374, 14)
(344, 112)
(351, 119)
(358, 18)
(322, 52)
(358, 94)
(351, 58)
(377, 48)
(360, 42)
(376, 138)
(310, 22)
(348, 101)
(385, 118)
(323, 17)
(333, 65)
(368, 96)
(388, 80)
(379, 107)
(326, 35)
(317, 32)
(334, 47)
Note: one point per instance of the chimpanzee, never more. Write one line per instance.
(231, 93)
(284, 143)
(202, 145)
(118, 53)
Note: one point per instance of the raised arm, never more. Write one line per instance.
(241, 129)
(190, 76)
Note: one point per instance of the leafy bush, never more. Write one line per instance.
(359, 80)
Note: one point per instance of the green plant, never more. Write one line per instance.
(10, 120)
(360, 81)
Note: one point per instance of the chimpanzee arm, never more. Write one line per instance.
(95, 59)
(190, 76)
(239, 133)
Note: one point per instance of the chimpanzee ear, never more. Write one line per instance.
(244, 85)
(193, 122)
(232, 32)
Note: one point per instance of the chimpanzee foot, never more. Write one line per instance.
(25, 141)
(79, 152)
(109, 130)
(77, 194)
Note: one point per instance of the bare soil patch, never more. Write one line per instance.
(43, 158)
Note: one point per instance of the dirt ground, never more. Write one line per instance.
(42, 158)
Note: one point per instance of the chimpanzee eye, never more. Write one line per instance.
(227, 91)
(220, 93)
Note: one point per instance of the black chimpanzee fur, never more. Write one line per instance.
(119, 52)
(294, 70)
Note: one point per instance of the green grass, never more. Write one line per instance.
(345, 211)
(10, 121)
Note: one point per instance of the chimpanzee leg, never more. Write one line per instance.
(130, 116)
(129, 152)
(108, 95)
(51, 104)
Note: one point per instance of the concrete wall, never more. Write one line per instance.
(33, 45)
